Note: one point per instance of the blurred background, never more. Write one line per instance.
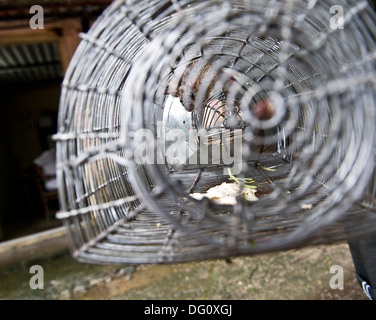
(32, 65)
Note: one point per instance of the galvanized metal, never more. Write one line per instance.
(278, 89)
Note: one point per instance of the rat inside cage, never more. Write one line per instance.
(191, 130)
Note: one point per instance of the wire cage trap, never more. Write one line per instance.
(193, 130)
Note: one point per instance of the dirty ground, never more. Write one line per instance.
(304, 274)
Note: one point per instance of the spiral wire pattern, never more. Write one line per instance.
(282, 88)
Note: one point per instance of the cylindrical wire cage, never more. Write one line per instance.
(193, 130)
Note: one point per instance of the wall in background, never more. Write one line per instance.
(29, 114)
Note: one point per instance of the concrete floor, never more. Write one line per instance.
(292, 275)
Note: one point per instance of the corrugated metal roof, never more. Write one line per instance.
(30, 62)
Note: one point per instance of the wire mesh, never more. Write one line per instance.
(164, 100)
